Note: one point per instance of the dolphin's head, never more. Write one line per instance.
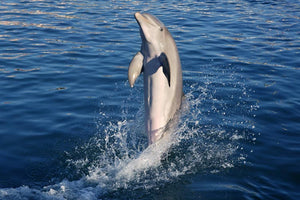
(152, 30)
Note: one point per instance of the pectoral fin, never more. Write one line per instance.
(135, 68)
(166, 67)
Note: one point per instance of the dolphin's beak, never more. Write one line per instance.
(141, 22)
(139, 18)
(142, 19)
(137, 14)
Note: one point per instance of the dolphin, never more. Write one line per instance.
(159, 62)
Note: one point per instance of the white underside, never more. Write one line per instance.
(158, 97)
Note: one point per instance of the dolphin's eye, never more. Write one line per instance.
(161, 29)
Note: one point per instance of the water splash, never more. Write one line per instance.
(207, 138)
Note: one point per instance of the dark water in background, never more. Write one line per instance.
(72, 128)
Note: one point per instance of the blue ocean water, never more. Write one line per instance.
(72, 128)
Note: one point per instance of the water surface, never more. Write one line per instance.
(72, 128)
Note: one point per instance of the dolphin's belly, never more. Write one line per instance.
(158, 99)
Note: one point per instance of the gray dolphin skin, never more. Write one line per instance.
(159, 61)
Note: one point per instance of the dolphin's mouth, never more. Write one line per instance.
(142, 20)
(139, 18)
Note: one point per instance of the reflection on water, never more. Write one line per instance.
(24, 24)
